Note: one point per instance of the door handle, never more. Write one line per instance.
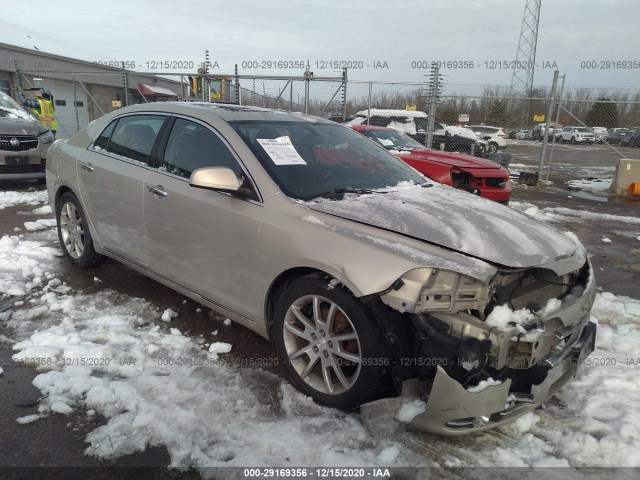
(87, 167)
(156, 191)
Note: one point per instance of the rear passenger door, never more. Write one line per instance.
(111, 176)
(201, 239)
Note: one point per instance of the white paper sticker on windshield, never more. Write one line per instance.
(281, 151)
(385, 142)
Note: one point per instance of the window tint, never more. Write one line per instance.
(134, 136)
(192, 146)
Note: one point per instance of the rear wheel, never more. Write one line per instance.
(493, 147)
(573, 140)
(73, 233)
(331, 347)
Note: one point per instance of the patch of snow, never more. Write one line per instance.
(227, 321)
(40, 224)
(606, 240)
(9, 199)
(483, 385)
(594, 185)
(168, 315)
(389, 455)
(219, 347)
(410, 410)
(46, 210)
(28, 419)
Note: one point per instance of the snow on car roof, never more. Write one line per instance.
(380, 112)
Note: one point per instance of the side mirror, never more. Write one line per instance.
(220, 179)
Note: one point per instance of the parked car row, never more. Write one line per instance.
(623, 137)
(416, 124)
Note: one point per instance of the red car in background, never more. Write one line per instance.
(476, 175)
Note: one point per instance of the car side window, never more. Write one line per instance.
(102, 141)
(133, 136)
(192, 146)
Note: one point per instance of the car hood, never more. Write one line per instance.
(19, 126)
(457, 221)
(459, 160)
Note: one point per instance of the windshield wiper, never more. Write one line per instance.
(342, 191)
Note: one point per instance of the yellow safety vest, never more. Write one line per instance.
(46, 114)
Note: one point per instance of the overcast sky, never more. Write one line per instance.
(480, 31)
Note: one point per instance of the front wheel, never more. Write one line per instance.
(493, 147)
(73, 233)
(331, 347)
(573, 140)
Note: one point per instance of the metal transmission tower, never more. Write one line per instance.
(524, 67)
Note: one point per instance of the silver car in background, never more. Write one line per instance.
(372, 282)
(24, 142)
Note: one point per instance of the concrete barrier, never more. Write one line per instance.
(627, 172)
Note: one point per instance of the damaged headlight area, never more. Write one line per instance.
(526, 331)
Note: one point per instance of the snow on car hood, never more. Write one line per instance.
(456, 220)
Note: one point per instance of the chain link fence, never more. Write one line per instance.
(555, 112)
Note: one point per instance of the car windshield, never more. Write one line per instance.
(422, 123)
(581, 129)
(392, 140)
(308, 159)
(10, 109)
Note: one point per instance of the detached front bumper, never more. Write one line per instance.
(453, 410)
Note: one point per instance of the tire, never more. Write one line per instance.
(73, 233)
(493, 147)
(309, 317)
(573, 141)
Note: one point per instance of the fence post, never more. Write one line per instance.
(432, 106)
(75, 102)
(238, 93)
(545, 140)
(344, 93)
(553, 143)
(369, 103)
(307, 74)
(125, 84)
(291, 96)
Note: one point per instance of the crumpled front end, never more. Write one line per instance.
(480, 355)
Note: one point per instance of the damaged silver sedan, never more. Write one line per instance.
(375, 285)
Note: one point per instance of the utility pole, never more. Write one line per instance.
(545, 139)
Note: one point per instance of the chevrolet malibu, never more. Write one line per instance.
(373, 283)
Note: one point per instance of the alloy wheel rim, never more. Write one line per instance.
(322, 344)
(72, 230)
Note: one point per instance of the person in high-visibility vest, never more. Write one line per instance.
(43, 107)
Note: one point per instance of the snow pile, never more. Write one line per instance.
(9, 199)
(504, 319)
(25, 264)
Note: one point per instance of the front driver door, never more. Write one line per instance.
(204, 240)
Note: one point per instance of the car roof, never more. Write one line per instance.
(381, 112)
(228, 112)
(371, 127)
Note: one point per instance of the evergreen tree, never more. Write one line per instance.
(603, 114)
